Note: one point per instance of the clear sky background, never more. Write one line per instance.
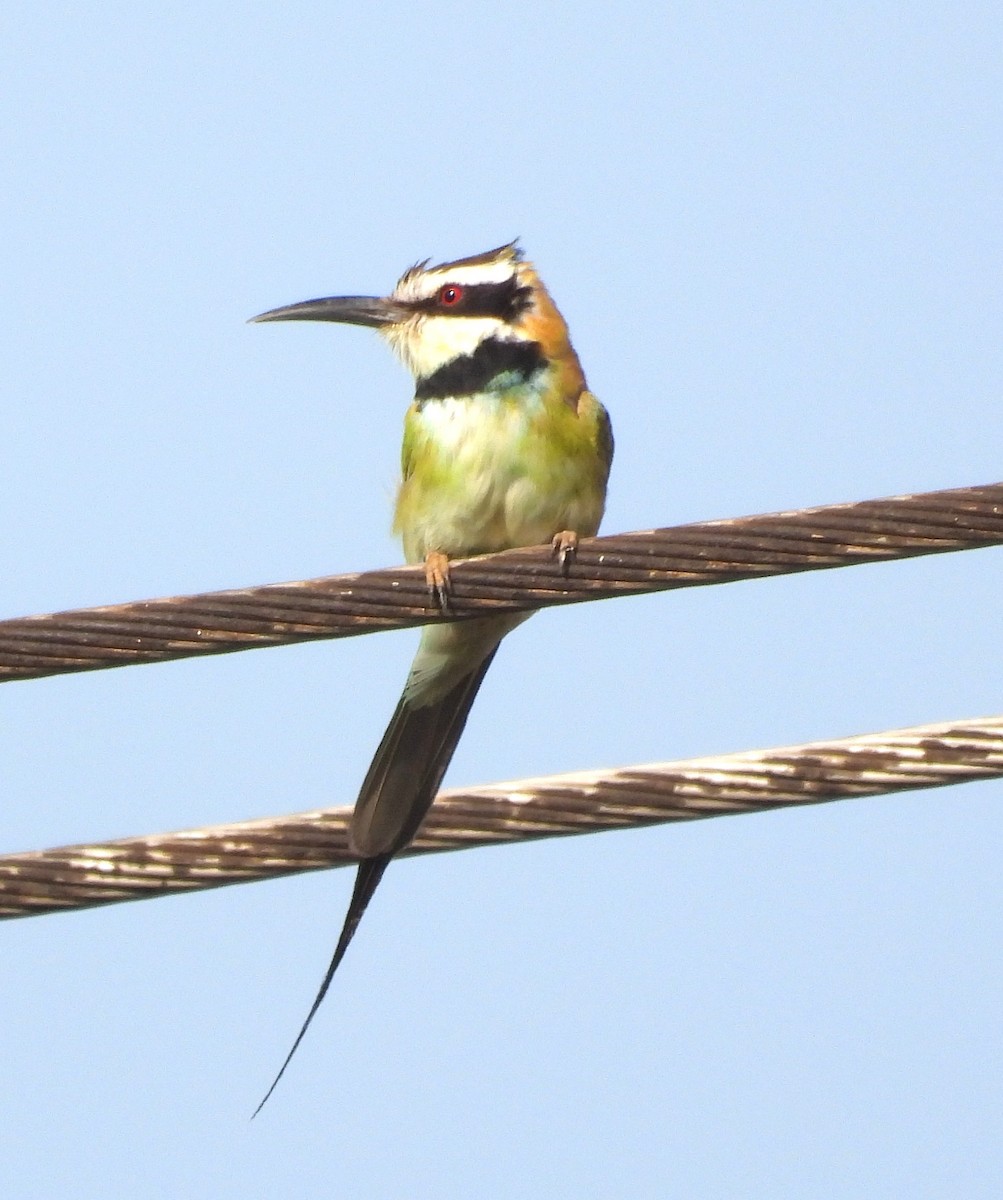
(775, 232)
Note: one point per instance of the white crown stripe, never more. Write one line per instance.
(424, 285)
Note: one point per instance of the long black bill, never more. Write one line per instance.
(374, 311)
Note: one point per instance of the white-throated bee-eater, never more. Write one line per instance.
(504, 446)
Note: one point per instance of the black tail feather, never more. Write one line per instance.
(366, 881)
(399, 788)
(408, 767)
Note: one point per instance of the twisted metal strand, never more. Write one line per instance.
(658, 560)
(582, 802)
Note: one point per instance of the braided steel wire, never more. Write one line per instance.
(628, 564)
(583, 802)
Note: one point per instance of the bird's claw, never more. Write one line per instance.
(565, 545)
(437, 578)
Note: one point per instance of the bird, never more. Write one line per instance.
(504, 446)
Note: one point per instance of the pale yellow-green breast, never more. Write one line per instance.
(501, 469)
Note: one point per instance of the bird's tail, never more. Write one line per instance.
(366, 882)
(408, 767)
(396, 793)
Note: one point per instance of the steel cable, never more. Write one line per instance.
(755, 781)
(627, 564)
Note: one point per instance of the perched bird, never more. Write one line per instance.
(504, 446)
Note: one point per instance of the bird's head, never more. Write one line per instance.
(461, 326)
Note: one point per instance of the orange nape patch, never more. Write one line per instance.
(543, 323)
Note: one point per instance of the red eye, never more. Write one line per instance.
(450, 295)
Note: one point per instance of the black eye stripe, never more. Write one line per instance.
(505, 300)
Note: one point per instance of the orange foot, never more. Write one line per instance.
(437, 578)
(565, 546)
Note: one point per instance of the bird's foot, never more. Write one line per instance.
(565, 546)
(437, 578)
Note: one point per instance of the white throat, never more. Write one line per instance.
(427, 343)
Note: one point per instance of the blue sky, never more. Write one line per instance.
(775, 234)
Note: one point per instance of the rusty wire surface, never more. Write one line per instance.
(584, 802)
(628, 564)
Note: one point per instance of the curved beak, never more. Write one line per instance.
(374, 311)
